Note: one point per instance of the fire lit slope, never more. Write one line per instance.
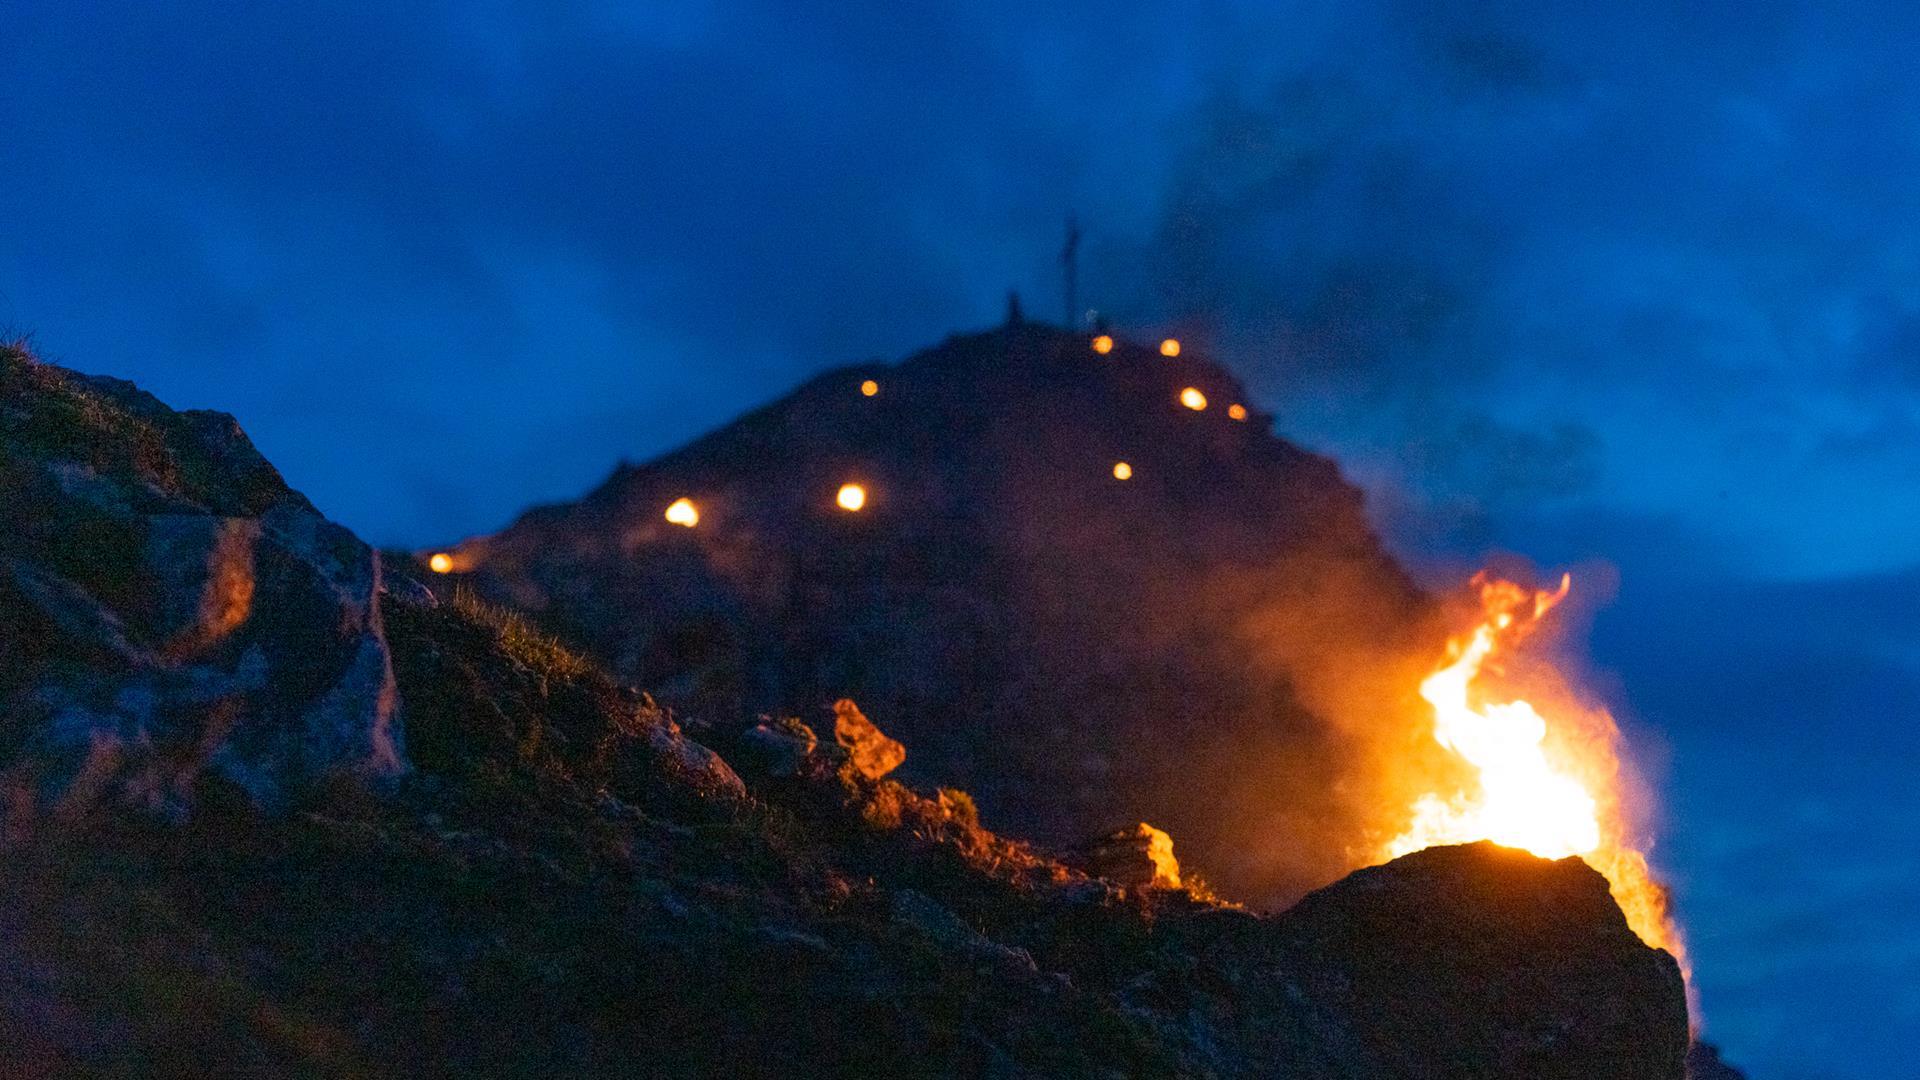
(1069, 588)
(557, 879)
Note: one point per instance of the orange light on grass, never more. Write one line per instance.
(683, 512)
(1122, 471)
(1103, 344)
(869, 388)
(440, 563)
(1237, 411)
(1170, 347)
(852, 497)
(1193, 399)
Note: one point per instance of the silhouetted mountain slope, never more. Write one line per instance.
(1217, 644)
(226, 850)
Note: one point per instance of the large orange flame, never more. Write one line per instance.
(1549, 784)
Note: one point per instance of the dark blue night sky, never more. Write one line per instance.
(1636, 290)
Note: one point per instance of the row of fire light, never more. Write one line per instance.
(853, 497)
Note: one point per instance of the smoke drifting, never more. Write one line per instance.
(1348, 645)
(1506, 264)
(1313, 233)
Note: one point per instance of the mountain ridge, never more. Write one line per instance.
(203, 870)
(1078, 650)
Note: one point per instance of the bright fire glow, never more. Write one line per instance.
(1103, 344)
(1193, 399)
(1525, 800)
(683, 512)
(869, 388)
(851, 497)
(1122, 471)
(1547, 783)
(1237, 411)
(1170, 347)
(440, 563)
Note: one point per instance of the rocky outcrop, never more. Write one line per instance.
(1140, 857)
(870, 751)
(174, 611)
(555, 876)
(1458, 962)
(1482, 960)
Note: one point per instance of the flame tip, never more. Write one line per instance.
(1549, 786)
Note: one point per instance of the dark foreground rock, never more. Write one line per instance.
(1478, 960)
(174, 608)
(490, 859)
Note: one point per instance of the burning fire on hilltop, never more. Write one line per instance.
(1547, 783)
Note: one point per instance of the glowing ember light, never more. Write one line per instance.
(1103, 344)
(851, 497)
(1237, 411)
(1170, 347)
(869, 388)
(440, 563)
(1525, 799)
(1193, 399)
(1122, 471)
(683, 512)
(1551, 786)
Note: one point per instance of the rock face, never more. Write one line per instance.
(870, 751)
(554, 876)
(1213, 644)
(1477, 960)
(173, 610)
(1139, 857)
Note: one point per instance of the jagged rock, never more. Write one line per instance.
(692, 764)
(174, 610)
(1479, 960)
(870, 753)
(783, 748)
(1138, 857)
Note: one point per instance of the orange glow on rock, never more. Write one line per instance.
(869, 388)
(1170, 347)
(1103, 344)
(1122, 471)
(683, 512)
(1237, 411)
(440, 563)
(852, 497)
(1193, 399)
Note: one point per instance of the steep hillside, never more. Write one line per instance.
(1215, 643)
(267, 808)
